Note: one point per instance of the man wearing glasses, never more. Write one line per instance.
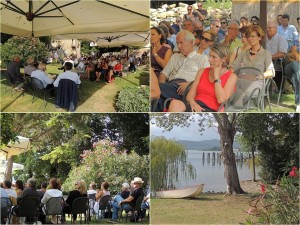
(231, 39)
(223, 29)
(200, 12)
(177, 26)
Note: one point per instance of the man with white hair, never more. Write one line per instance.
(181, 69)
(120, 203)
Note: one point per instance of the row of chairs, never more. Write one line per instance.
(67, 90)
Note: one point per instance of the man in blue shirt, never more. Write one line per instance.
(288, 31)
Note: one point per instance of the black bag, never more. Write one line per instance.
(134, 217)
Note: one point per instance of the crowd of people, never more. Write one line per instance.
(203, 63)
(124, 200)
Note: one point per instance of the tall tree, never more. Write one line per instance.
(227, 129)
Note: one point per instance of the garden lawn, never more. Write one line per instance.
(206, 209)
(93, 96)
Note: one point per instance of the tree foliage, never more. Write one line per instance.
(59, 139)
(107, 163)
(168, 164)
(277, 139)
(24, 47)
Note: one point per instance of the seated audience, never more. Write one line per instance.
(232, 39)
(7, 187)
(19, 187)
(208, 38)
(119, 202)
(292, 70)
(198, 35)
(244, 22)
(254, 20)
(177, 26)
(79, 191)
(44, 78)
(103, 191)
(30, 67)
(13, 70)
(160, 55)
(288, 31)
(181, 69)
(68, 74)
(223, 29)
(212, 87)
(238, 50)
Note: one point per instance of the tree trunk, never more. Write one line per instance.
(253, 164)
(227, 132)
(8, 171)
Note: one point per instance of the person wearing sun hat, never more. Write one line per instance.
(119, 202)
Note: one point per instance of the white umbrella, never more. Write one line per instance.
(139, 39)
(16, 166)
(15, 148)
(51, 17)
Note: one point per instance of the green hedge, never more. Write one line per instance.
(133, 99)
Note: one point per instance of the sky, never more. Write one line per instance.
(190, 133)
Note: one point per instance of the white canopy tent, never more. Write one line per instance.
(51, 17)
(138, 39)
(15, 148)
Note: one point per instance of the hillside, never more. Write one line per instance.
(206, 145)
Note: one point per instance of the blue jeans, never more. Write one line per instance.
(116, 207)
(291, 70)
(167, 90)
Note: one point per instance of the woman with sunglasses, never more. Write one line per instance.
(207, 40)
(246, 46)
(160, 54)
(211, 87)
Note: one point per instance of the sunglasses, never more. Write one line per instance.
(205, 39)
(217, 26)
(223, 22)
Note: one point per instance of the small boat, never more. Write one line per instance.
(188, 192)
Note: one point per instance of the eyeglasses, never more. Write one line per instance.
(199, 5)
(251, 36)
(223, 22)
(217, 26)
(205, 39)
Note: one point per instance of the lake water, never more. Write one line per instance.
(211, 172)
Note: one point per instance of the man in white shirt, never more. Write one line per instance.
(181, 69)
(288, 31)
(68, 74)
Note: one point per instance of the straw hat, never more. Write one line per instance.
(137, 180)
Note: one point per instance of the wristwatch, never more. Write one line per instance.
(217, 81)
(155, 54)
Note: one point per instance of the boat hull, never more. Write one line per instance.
(189, 192)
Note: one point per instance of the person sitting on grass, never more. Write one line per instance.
(120, 203)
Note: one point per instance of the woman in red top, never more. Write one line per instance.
(211, 87)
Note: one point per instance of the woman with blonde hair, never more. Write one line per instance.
(212, 86)
(79, 191)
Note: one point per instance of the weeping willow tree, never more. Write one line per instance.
(168, 164)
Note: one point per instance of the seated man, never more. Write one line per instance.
(68, 74)
(46, 79)
(13, 70)
(134, 195)
(181, 69)
(277, 45)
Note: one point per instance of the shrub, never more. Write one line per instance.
(133, 99)
(278, 205)
(24, 47)
(105, 163)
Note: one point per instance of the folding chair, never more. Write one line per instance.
(37, 85)
(92, 201)
(104, 204)
(6, 205)
(28, 207)
(9, 81)
(80, 206)
(54, 206)
(136, 210)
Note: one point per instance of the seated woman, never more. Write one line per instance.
(98, 70)
(104, 67)
(111, 65)
(160, 54)
(80, 191)
(90, 67)
(52, 192)
(238, 50)
(104, 191)
(292, 70)
(208, 38)
(211, 87)
(256, 57)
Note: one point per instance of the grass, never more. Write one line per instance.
(94, 96)
(206, 209)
